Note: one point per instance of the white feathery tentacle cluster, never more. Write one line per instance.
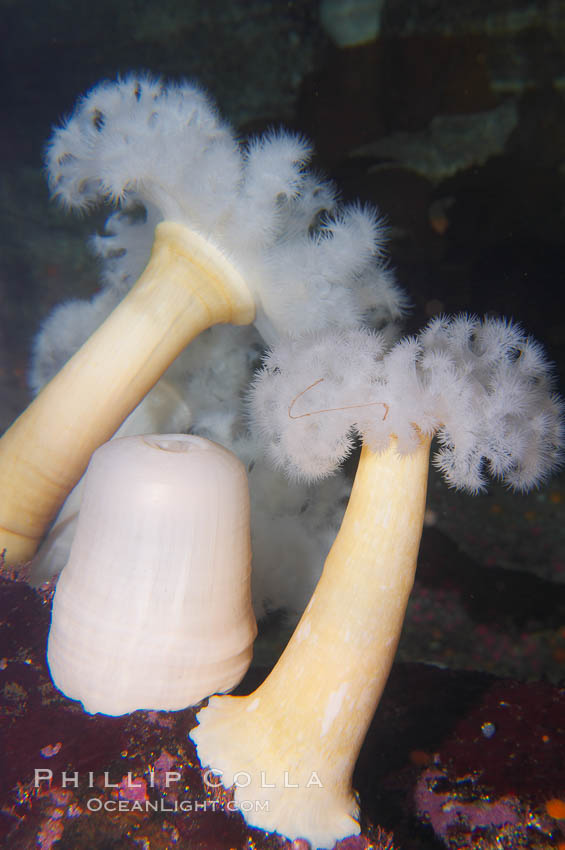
(483, 388)
(141, 143)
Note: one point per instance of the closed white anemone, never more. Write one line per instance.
(153, 609)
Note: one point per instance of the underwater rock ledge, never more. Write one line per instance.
(486, 750)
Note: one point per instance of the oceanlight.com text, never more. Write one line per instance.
(95, 804)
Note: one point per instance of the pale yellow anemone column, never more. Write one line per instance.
(291, 746)
(187, 286)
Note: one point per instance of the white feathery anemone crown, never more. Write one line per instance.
(309, 262)
(483, 388)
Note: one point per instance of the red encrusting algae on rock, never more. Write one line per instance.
(143, 762)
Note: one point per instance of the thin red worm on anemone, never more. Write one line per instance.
(329, 409)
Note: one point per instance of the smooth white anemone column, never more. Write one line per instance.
(153, 609)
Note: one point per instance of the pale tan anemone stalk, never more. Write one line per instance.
(187, 286)
(291, 746)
